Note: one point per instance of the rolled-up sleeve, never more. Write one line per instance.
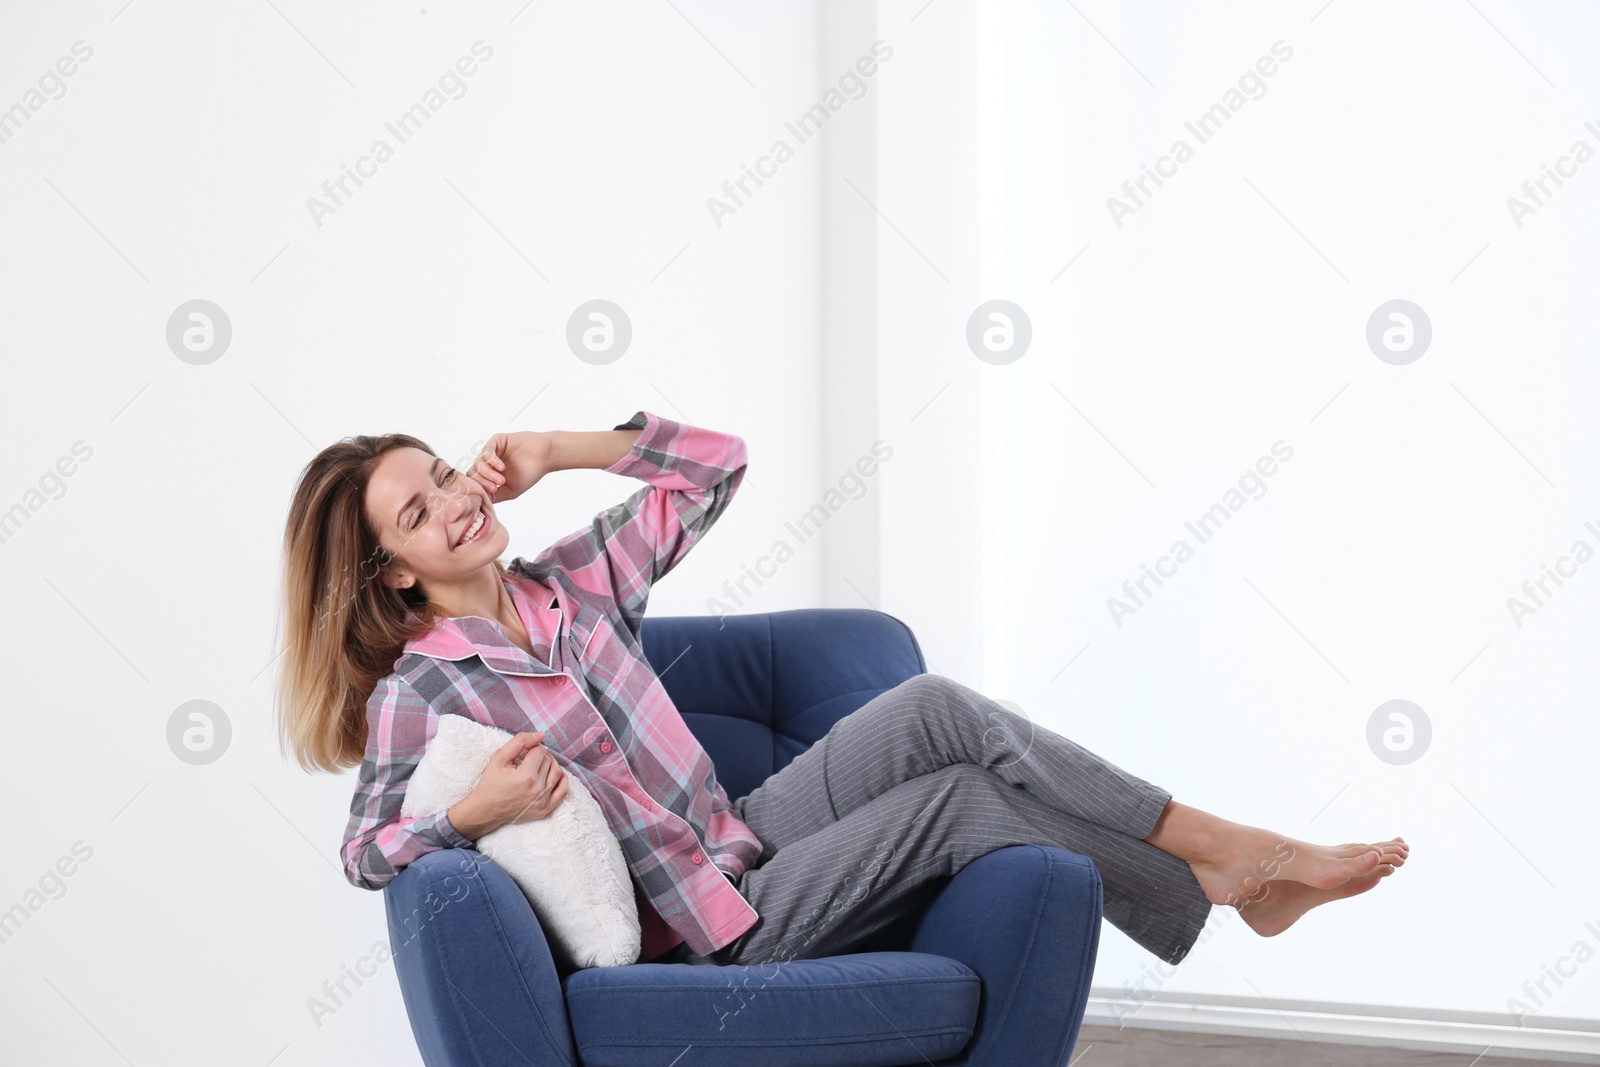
(378, 842)
(692, 475)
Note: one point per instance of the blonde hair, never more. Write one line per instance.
(344, 628)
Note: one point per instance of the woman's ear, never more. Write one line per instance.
(396, 577)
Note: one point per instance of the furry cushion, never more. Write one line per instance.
(568, 864)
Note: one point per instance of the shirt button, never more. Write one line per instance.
(605, 746)
(697, 858)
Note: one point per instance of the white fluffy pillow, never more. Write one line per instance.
(568, 864)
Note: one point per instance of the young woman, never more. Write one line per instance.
(399, 611)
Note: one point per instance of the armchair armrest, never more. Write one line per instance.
(1026, 918)
(478, 978)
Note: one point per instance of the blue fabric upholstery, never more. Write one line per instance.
(869, 1009)
(758, 690)
(990, 967)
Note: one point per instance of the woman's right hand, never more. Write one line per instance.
(522, 782)
(511, 463)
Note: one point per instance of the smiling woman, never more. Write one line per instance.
(549, 651)
(384, 538)
(439, 525)
(361, 506)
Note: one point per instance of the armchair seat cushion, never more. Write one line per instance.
(864, 1009)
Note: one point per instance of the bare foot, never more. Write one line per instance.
(1279, 904)
(1244, 858)
(1232, 861)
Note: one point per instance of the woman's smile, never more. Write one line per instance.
(480, 524)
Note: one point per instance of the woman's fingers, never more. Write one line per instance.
(515, 748)
(489, 468)
(487, 477)
(552, 787)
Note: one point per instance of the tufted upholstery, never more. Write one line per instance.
(758, 690)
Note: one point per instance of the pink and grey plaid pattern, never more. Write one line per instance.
(606, 716)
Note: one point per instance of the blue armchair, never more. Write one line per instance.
(989, 968)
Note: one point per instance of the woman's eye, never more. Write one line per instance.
(422, 513)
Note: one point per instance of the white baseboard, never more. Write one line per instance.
(1553, 1039)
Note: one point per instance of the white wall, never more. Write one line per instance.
(1168, 354)
(212, 906)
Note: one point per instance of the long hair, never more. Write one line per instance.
(344, 627)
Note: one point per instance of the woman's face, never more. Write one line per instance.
(438, 522)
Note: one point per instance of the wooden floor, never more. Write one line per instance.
(1109, 1046)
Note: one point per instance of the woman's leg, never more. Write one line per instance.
(1065, 795)
(1159, 860)
(826, 893)
(929, 722)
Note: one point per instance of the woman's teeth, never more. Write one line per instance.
(477, 526)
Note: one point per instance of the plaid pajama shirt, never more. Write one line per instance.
(607, 719)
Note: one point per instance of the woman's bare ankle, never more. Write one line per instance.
(1186, 832)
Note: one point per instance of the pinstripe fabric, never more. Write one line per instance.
(607, 719)
(920, 781)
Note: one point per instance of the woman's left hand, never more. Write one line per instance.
(511, 463)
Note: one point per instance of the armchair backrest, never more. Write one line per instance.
(758, 690)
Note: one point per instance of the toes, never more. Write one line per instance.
(1383, 870)
(1392, 847)
(1355, 849)
(1368, 881)
(1340, 863)
(1355, 868)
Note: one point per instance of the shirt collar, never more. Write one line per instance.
(472, 635)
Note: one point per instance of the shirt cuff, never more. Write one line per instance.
(654, 434)
(448, 831)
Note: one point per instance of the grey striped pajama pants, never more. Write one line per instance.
(913, 786)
